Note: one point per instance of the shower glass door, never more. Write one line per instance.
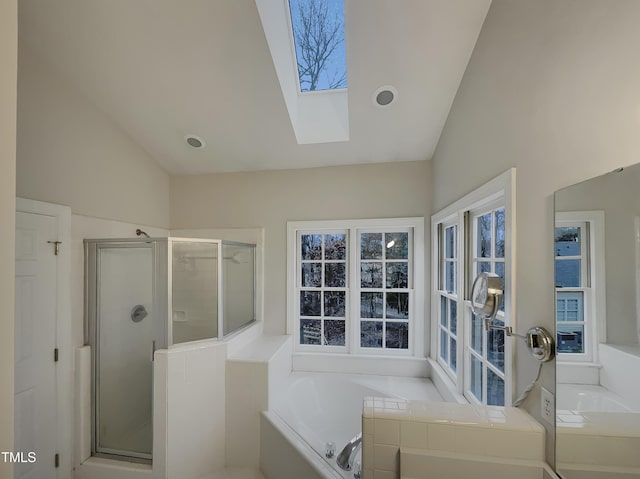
(127, 331)
(194, 290)
(238, 286)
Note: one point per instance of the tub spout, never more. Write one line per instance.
(346, 456)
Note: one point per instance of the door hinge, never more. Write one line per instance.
(56, 246)
(56, 460)
(55, 355)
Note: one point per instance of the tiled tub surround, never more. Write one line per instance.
(597, 424)
(597, 434)
(418, 440)
(316, 408)
(598, 444)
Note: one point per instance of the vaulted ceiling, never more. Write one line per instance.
(162, 69)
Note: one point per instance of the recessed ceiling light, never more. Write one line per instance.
(384, 95)
(194, 141)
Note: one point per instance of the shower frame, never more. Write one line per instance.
(162, 260)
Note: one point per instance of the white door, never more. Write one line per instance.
(35, 339)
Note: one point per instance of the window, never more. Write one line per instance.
(448, 296)
(357, 286)
(485, 355)
(323, 288)
(306, 59)
(385, 288)
(318, 36)
(577, 235)
(472, 236)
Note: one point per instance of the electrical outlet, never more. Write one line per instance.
(547, 406)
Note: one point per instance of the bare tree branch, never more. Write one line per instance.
(317, 37)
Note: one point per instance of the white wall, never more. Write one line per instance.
(195, 391)
(8, 72)
(552, 89)
(620, 374)
(271, 198)
(71, 153)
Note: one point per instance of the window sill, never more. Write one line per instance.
(574, 372)
(406, 366)
(444, 385)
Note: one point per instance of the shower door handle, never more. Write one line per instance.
(153, 349)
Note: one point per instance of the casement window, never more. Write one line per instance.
(579, 295)
(357, 286)
(484, 354)
(473, 235)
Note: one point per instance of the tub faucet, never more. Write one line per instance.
(346, 456)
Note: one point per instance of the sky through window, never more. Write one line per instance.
(318, 34)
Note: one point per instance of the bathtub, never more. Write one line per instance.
(317, 408)
(588, 398)
(596, 433)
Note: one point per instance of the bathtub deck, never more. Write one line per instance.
(316, 408)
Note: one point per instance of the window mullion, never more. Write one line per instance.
(441, 266)
(485, 361)
(354, 281)
(462, 372)
(585, 248)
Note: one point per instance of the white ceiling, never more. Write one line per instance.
(164, 68)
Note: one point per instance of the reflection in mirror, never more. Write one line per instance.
(597, 280)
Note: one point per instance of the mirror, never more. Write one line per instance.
(597, 279)
(486, 295)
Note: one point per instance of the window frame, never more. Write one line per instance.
(441, 292)
(499, 191)
(472, 263)
(359, 349)
(294, 53)
(592, 278)
(322, 289)
(415, 226)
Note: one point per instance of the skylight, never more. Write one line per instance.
(315, 118)
(318, 34)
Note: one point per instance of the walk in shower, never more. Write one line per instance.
(147, 294)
